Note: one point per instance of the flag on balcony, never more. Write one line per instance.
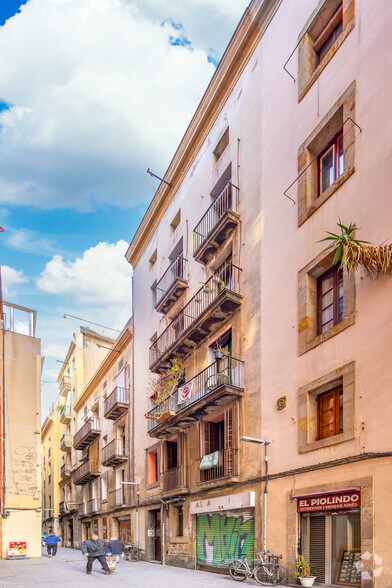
(184, 393)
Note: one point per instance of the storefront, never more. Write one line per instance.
(225, 529)
(330, 535)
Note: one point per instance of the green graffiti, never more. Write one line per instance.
(221, 538)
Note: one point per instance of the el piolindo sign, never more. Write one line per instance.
(338, 501)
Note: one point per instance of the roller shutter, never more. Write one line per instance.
(224, 536)
(317, 547)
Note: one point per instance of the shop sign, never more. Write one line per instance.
(228, 502)
(151, 532)
(329, 502)
(17, 549)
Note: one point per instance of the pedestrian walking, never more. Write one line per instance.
(95, 548)
(51, 541)
(116, 548)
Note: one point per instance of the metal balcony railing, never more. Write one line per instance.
(65, 470)
(227, 466)
(177, 269)
(90, 429)
(115, 448)
(65, 413)
(226, 200)
(82, 510)
(173, 479)
(92, 505)
(65, 385)
(227, 370)
(66, 439)
(86, 471)
(118, 396)
(227, 277)
(118, 497)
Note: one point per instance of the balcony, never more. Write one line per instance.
(217, 224)
(65, 385)
(66, 442)
(92, 506)
(225, 466)
(116, 404)
(65, 415)
(63, 507)
(82, 510)
(114, 454)
(172, 285)
(174, 481)
(65, 472)
(117, 497)
(219, 384)
(87, 434)
(86, 472)
(213, 304)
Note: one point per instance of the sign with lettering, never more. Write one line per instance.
(329, 502)
(229, 502)
(17, 549)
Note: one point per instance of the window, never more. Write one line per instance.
(49, 450)
(50, 479)
(330, 299)
(320, 39)
(330, 414)
(175, 222)
(153, 259)
(180, 521)
(221, 146)
(326, 159)
(152, 466)
(154, 295)
(330, 163)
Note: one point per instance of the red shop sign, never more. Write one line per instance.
(330, 501)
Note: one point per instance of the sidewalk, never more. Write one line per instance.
(68, 569)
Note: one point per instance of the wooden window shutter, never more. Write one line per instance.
(206, 448)
(229, 442)
(328, 414)
(94, 456)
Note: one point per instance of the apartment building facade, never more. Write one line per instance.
(103, 445)
(51, 469)
(85, 353)
(242, 324)
(21, 365)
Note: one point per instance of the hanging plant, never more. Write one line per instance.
(167, 382)
(354, 254)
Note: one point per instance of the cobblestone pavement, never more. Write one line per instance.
(68, 569)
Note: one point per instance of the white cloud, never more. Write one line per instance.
(98, 93)
(11, 277)
(54, 350)
(29, 241)
(101, 277)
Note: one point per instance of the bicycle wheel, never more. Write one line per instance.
(238, 570)
(270, 574)
(135, 555)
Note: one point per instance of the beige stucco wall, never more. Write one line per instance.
(22, 442)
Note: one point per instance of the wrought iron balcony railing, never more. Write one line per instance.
(224, 202)
(87, 433)
(173, 479)
(227, 371)
(65, 415)
(86, 472)
(227, 465)
(117, 497)
(65, 385)
(66, 442)
(226, 279)
(116, 403)
(172, 284)
(114, 453)
(92, 505)
(65, 471)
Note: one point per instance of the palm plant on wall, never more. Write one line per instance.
(354, 254)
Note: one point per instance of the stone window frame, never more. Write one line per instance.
(307, 303)
(308, 69)
(307, 408)
(366, 484)
(341, 115)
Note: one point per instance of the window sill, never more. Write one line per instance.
(325, 195)
(341, 438)
(347, 322)
(320, 68)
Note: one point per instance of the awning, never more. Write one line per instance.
(343, 491)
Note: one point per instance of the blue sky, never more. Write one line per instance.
(80, 123)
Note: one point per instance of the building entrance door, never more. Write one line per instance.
(154, 535)
(124, 531)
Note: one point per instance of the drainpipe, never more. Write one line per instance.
(132, 456)
(265, 496)
(3, 472)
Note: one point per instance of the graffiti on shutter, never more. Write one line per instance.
(224, 536)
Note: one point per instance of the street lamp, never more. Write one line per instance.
(137, 508)
(265, 443)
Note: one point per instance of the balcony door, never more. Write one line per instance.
(217, 435)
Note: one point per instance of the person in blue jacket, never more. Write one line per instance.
(51, 541)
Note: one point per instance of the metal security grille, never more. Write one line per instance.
(224, 536)
(317, 547)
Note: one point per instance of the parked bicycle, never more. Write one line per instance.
(266, 573)
(132, 553)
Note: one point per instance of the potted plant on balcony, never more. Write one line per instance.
(218, 352)
(303, 572)
(163, 386)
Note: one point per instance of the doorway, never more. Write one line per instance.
(154, 536)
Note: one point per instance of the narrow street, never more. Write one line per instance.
(68, 569)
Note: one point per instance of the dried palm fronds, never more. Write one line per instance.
(354, 254)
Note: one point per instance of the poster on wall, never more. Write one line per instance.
(349, 568)
(17, 549)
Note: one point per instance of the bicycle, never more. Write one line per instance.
(266, 573)
(132, 553)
